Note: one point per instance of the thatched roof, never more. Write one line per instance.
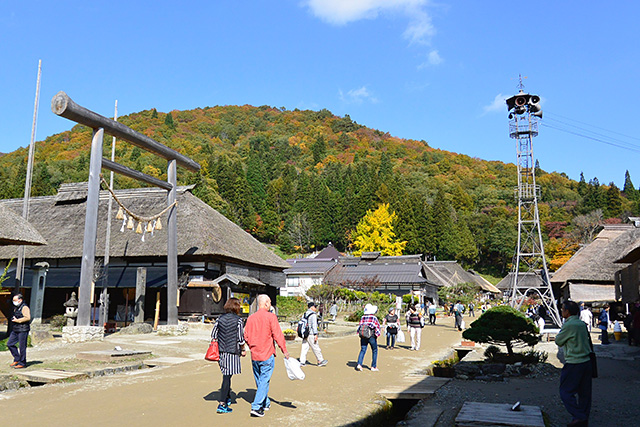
(450, 273)
(595, 263)
(525, 280)
(202, 231)
(592, 293)
(15, 230)
(630, 253)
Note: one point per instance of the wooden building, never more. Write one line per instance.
(589, 276)
(398, 275)
(210, 247)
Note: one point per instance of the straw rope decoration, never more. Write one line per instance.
(146, 224)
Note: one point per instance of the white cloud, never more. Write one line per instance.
(433, 59)
(357, 96)
(341, 12)
(497, 104)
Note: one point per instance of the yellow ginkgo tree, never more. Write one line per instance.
(374, 233)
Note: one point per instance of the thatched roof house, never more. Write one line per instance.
(450, 273)
(589, 275)
(209, 245)
(525, 280)
(15, 230)
(628, 278)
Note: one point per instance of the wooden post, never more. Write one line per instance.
(172, 248)
(157, 315)
(141, 286)
(90, 230)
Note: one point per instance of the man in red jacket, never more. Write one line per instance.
(260, 332)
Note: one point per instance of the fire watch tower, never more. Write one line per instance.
(524, 112)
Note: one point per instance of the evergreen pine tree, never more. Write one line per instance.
(629, 190)
(168, 120)
(614, 204)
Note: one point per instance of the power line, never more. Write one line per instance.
(633, 148)
(589, 124)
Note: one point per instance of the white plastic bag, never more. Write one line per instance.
(462, 324)
(294, 371)
(400, 336)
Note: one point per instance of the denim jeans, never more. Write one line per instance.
(364, 342)
(391, 338)
(262, 371)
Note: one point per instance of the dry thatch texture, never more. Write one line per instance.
(450, 273)
(525, 280)
(592, 293)
(596, 261)
(630, 253)
(15, 230)
(202, 231)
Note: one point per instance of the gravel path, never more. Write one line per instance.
(615, 401)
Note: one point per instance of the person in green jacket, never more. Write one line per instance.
(575, 378)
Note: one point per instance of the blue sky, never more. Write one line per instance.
(437, 71)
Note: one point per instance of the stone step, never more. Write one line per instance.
(414, 390)
(48, 376)
(111, 355)
(167, 361)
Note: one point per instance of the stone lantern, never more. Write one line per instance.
(71, 310)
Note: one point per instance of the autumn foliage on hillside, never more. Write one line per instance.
(302, 179)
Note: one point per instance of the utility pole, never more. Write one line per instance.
(27, 183)
(524, 112)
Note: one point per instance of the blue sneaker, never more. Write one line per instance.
(228, 402)
(224, 409)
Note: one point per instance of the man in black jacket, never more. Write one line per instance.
(21, 320)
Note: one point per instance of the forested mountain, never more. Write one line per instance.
(302, 179)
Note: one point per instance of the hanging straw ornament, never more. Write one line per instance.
(124, 223)
(158, 224)
(120, 213)
(139, 228)
(130, 223)
(149, 227)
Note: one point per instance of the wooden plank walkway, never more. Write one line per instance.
(498, 414)
(48, 376)
(414, 388)
(110, 355)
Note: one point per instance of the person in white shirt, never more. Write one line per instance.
(586, 316)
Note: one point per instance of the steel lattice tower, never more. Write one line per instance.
(524, 112)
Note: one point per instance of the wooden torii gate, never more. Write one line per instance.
(64, 106)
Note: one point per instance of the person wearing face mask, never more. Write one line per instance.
(19, 332)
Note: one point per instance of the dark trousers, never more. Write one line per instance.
(604, 336)
(20, 338)
(225, 390)
(432, 318)
(575, 389)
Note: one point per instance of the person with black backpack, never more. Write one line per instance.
(369, 331)
(308, 331)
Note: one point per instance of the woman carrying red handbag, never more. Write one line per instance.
(228, 331)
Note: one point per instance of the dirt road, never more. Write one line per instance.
(186, 394)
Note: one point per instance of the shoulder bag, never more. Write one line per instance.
(213, 353)
(592, 357)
